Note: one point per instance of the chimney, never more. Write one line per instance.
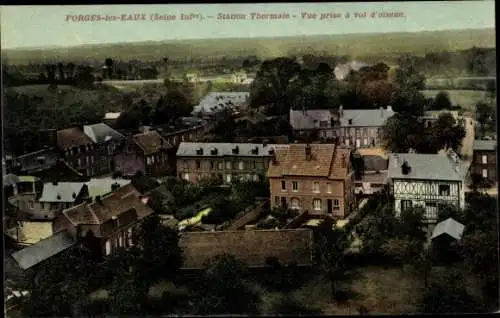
(264, 143)
(350, 121)
(255, 151)
(405, 168)
(236, 150)
(214, 151)
(199, 151)
(308, 152)
(332, 122)
(54, 183)
(115, 186)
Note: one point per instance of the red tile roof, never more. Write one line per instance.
(327, 160)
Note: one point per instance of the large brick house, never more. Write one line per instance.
(352, 127)
(484, 160)
(226, 161)
(146, 152)
(317, 178)
(107, 222)
(78, 150)
(106, 140)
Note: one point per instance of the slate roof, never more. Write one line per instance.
(101, 132)
(102, 186)
(215, 101)
(114, 204)
(61, 191)
(425, 167)
(226, 149)
(43, 250)
(360, 117)
(252, 247)
(326, 161)
(72, 137)
(485, 145)
(449, 226)
(150, 142)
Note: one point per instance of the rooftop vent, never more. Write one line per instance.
(214, 151)
(73, 195)
(350, 121)
(199, 151)
(58, 197)
(236, 150)
(255, 151)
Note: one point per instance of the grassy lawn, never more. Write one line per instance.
(465, 98)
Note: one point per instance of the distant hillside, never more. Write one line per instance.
(361, 46)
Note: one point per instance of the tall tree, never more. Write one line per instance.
(485, 113)
(331, 244)
(70, 68)
(274, 84)
(442, 101)
(446, 133)
(109, 64)
(60, 69)
(408, 82)
(222, 289)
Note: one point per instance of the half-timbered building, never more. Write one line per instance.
(427, 181)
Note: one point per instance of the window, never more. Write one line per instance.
(228, 165)
(295, 186)
(198, 164)
(220, 165)
(283, 185)
(91, 159)
(316, 187)
(329, 188)
(31, 204)
(485, 173)
(365, 141)
(295, 204)
(198, 176)
(228, 178)
(365, 131)
(406, 204)
(108, 247)
(130, 242)
(276, 200)
(148, 161)
(185, 164)
(336, 204)
(347, 142)
(484, 159)
(241, 165)
(186, 176)
(444, 189)
(152, 159)
(323, 134)
(283, 201)
(42, 205)
(78, 162)
(255, 177)
(431, 210)
(212, 165)
(317, 204)
(323, 124)
(120, 241)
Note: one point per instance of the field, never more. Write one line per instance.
(369, 47)
(465, 98)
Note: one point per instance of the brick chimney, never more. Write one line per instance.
(405, 168)
(308, 152)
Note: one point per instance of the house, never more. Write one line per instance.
(218, 101)
(111, 118)
(106, 140)
(431, 116)
(57, 196)
(145, 152)
(426, 181)
(29, 232)
(351, 127)
(187, 129)
(252, 247)
(374, 176)
(317, 178)
(46, 165)
(78, 150)
(484, 160)
(226, 161)
(106, 223)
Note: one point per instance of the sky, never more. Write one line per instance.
(49, 26)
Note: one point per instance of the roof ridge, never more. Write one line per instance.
(92, 212)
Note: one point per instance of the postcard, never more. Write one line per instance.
(250, 159)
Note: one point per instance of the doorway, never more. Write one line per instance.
(329, 206)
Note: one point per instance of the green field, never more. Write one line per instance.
(465, 98)
(369, 47)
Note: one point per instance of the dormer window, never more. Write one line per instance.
(199, 151)
(236, 150)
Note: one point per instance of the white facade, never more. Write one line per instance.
(428, 194)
